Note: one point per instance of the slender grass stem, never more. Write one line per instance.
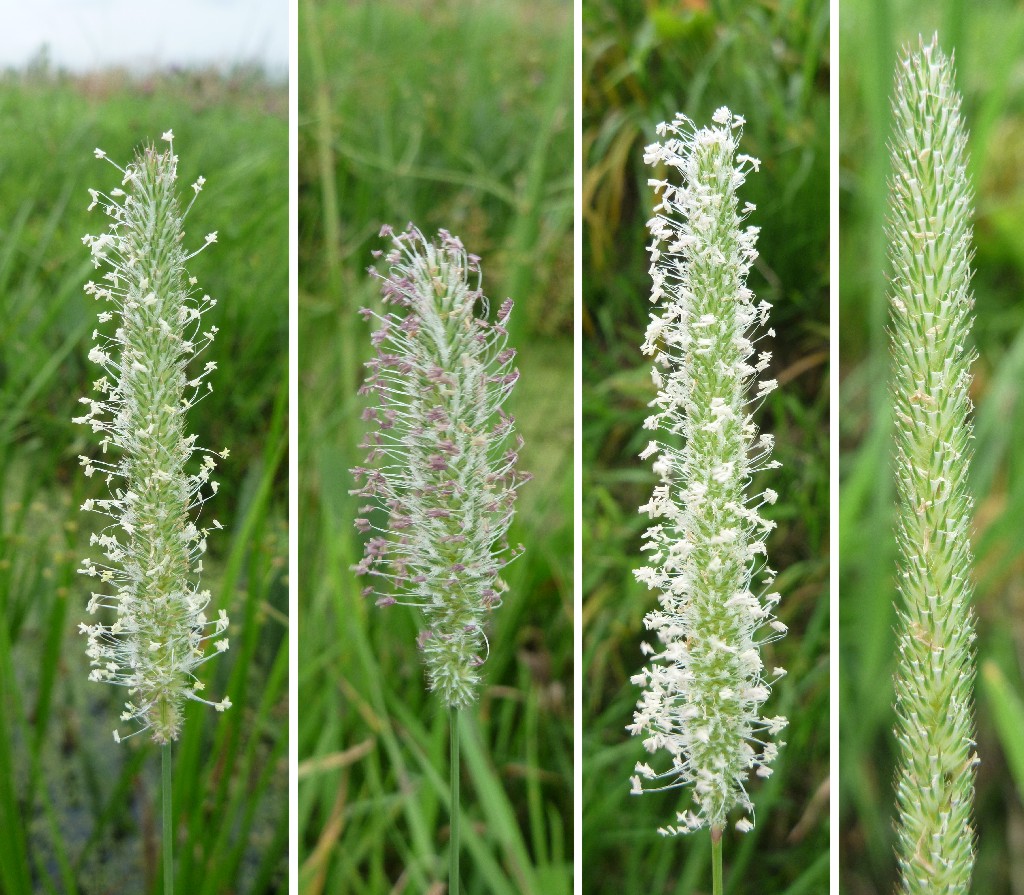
(716, 861)
(168, 818)
(453, 857)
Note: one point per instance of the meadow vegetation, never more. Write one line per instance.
(642, 63)
(77, 809)
(454, 115)
(988, 41)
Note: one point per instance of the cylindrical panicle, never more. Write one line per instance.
(152, 548)
(706, 683)
(931, 305)
(441, 471)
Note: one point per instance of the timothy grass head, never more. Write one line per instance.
(442, 461)
(930, 234)
(152, 547)
(705, 685)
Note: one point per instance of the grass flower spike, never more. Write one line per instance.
(442, 458)
(705, 684)
(930, 248)
(152, 547)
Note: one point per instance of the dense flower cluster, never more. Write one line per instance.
(152, 549)
(705, 684)
(930, 295)
(442, 454)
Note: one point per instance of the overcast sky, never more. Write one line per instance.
(87, 34)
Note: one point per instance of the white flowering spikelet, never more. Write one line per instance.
(705, 686)
(442, 458)
(931, 310)
(152, 549)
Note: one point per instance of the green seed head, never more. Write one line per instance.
(931, 303)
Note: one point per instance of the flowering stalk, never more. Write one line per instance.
(440, 465)
(930, 245)
(152, 549)
(440, 462)
(705, 684)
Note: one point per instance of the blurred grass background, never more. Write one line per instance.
(79, 813)
(454, 114)
(988, 40)
(767, 61)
